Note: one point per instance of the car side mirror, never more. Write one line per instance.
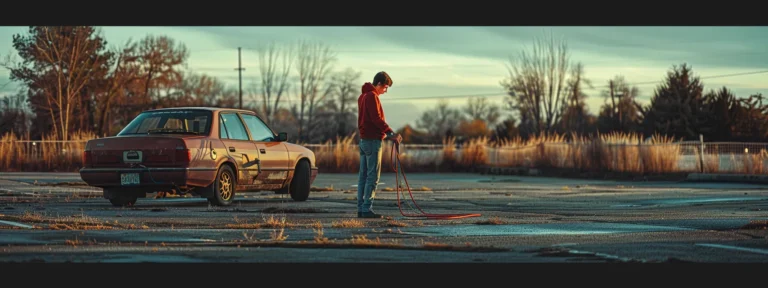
(282, 136)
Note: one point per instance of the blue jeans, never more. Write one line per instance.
(370, 171)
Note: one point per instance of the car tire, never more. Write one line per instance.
(223, 187)
(123, 200)
(299, 187)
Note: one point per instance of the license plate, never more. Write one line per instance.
(129, 179)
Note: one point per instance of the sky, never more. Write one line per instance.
(450, 62)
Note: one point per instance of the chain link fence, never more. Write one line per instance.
(707, 157)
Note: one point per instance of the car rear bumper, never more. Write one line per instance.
(149, 177)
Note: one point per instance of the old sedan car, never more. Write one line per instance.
(203, 151)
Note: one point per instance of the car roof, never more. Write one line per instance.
(202, 108)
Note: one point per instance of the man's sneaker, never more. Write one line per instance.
(369, 215)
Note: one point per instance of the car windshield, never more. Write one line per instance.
(170, 122)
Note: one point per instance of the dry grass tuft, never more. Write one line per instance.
(316, 224)
(348, 223)
(32, 217)
(363, 240)
(244, 226)
(74, 222)
(271, 222)
(319, 237)
(278, 235)
(395, 223)
(433, 245)
(756, 225)
(250, 237)
(279, 210)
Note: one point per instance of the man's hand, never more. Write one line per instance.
(395, 137)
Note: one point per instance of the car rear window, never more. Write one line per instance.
(170, 121)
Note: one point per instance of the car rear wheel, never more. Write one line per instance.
(299, 187)
(123, 200)
(120, 197)
(223, 187)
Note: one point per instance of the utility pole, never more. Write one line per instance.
(240, 75)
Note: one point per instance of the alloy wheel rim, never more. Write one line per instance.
(225, 184)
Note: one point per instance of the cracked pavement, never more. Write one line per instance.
(49, 217)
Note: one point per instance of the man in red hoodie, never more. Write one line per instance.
(373, 129)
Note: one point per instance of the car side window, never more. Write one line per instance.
(259, 130)
(235, 128)
(198, 122)
(222, 128)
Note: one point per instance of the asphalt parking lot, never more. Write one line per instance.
(50, 217)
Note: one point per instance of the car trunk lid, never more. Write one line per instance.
(130, 151)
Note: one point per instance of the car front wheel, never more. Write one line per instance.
(299, 188)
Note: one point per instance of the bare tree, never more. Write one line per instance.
(478, 108)
(58, 62)
(204, 90)
(274, 82)
(536, 84)
(576, 116)
(440, 121)
(15, 115)
(160, 59)
(620, 111)
(124, 72)
(345, 91)
(315, 61)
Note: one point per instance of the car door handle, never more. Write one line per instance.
(263, 151)
(231, 149)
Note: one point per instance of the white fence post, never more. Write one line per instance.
(701, 152)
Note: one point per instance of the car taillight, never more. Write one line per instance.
(183, 155)
(86, 158)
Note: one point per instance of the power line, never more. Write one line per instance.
(498, 94)
(210, 50)
(735, 74)
(703, 77)
(422, 51)
(594, 87)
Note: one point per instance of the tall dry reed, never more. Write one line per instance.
(341, 155)
(46, 154)
(611, 152)
(750, 163)
(660, 154)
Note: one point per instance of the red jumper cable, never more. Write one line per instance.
(395, 164)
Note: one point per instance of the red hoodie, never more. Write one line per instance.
(370, 116)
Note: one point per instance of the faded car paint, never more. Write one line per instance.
(258, 165)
